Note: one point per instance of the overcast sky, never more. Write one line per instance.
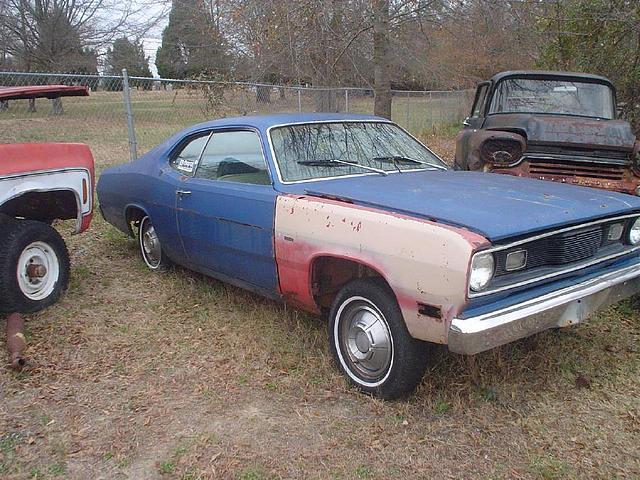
(154, 38)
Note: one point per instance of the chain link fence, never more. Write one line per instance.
(160, 107)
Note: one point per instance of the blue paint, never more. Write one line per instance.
(222, 229)
(496, 206)
(228, 228)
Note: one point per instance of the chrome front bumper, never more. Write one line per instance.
(561, 308)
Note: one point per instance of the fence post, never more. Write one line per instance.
(299, 101)
(126, 94)
(407, 106)
(346, 100)
(433, 120)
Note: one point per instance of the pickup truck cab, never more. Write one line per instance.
(40, 183)
(555, 126)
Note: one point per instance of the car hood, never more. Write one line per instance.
(496, 206)
(564, 129)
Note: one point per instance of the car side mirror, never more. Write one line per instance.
(466, 122)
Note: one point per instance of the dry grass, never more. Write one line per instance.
(174, 375)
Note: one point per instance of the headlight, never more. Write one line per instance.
(501, 151)
(634, 232)
(482, 268)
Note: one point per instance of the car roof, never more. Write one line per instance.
(263, 122)
(588, 77)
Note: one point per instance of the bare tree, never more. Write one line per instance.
(381, 45)
(57, 34)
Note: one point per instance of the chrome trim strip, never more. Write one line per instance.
(561, 157)
(555, 309)
(618, 162)
(311, 122)
(472, 294)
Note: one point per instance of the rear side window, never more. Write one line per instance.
(185, 157)
(481, 97)
(234, 156)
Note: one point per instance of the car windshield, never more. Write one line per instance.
(325, 150)
(525, 95)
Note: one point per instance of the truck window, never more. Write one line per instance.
(481, 97)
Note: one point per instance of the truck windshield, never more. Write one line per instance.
(326, 150)
(526, 95)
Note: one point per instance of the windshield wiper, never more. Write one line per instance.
(335, 162)
(395, 159)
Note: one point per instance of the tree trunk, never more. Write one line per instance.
(381, 70)
(326, 101)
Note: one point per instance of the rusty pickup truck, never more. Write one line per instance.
(554, 126)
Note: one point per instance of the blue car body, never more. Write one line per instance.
(228, 230)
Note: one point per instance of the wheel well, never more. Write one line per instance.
(43, 206)
(133, 215)
(330, 274)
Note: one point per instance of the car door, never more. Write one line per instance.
(472, 123)
(226, 211)
(182, 162)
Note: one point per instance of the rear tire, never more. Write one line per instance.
(150, 247)
(370, 342)
(34, 266)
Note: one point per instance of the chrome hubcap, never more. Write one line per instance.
(365, 339)
(150, 244)
(38, 271)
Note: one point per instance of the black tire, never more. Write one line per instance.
(154, 261)
(372, 301)
(25, 243)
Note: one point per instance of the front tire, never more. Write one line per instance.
(370, 342)
(150, 247)
(34, 266)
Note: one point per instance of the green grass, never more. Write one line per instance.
(167, 467)
(251, 473)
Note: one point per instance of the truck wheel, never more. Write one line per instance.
(34, 266)
(370, 342)
(150, 247)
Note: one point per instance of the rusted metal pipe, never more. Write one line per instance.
(15, 340)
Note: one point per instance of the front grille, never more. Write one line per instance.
(594, 153)
(566, 169)
(558, 250)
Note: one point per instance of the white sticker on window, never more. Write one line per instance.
(185, 164)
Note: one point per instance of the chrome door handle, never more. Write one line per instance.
(180, 193)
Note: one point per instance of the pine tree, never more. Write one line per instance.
(191, 43)
(129, 55)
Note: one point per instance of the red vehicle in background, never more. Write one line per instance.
(40, 183)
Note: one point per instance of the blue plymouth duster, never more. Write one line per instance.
(351, 217)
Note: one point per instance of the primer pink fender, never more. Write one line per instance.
(423, 261)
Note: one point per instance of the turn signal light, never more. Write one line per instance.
(85, 191)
